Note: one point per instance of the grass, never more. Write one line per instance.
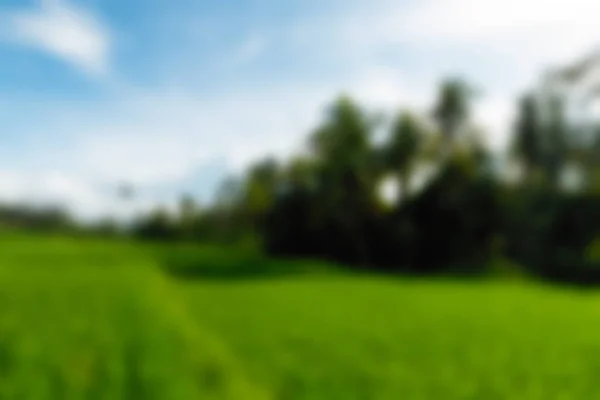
(92, 320)
(358, 338)
(89, 319)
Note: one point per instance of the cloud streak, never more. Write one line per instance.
(67, 32)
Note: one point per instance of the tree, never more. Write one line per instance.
(301, 172)
(556, 141)
(226, 218)
(402, 149)
(342, 143)
(187, 215)
(451, 111)
(261, 185)
(346, 177)
(526, 145)
(157, 225)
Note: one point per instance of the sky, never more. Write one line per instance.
(172, 96)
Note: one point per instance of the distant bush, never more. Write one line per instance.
(37, 219)
(556, 237)
(220, 262)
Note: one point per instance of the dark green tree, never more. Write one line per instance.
(526, 146)
(346, 176)
(402, 149)
(188, 214)
(557, 146)
(451, 111)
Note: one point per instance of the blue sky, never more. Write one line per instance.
(173, 95)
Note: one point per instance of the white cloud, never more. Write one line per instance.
(84, 199)
(496, 116)
(528, 34)
(156, 140)
(65, 31)
(10, 186)
(163, 137)
(467, 20)
(47, 188)
(380, 87)
(448, 22)
(525, 36)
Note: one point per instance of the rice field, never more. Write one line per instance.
(89, 319)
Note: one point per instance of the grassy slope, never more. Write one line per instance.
(351, 338)
(91, 320)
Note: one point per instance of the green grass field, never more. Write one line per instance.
(93, 320)
(85, 319)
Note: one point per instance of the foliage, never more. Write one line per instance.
(325, 203)
(47, 219)
(452, 201)
(402, 151)
(452, 109)
(218, 262)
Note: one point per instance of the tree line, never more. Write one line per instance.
(450, 204)
(419, 192)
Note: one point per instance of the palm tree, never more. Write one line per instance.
(526, 146)
(346, 172)
(402, 149)
(261, 185)
(452, 110)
